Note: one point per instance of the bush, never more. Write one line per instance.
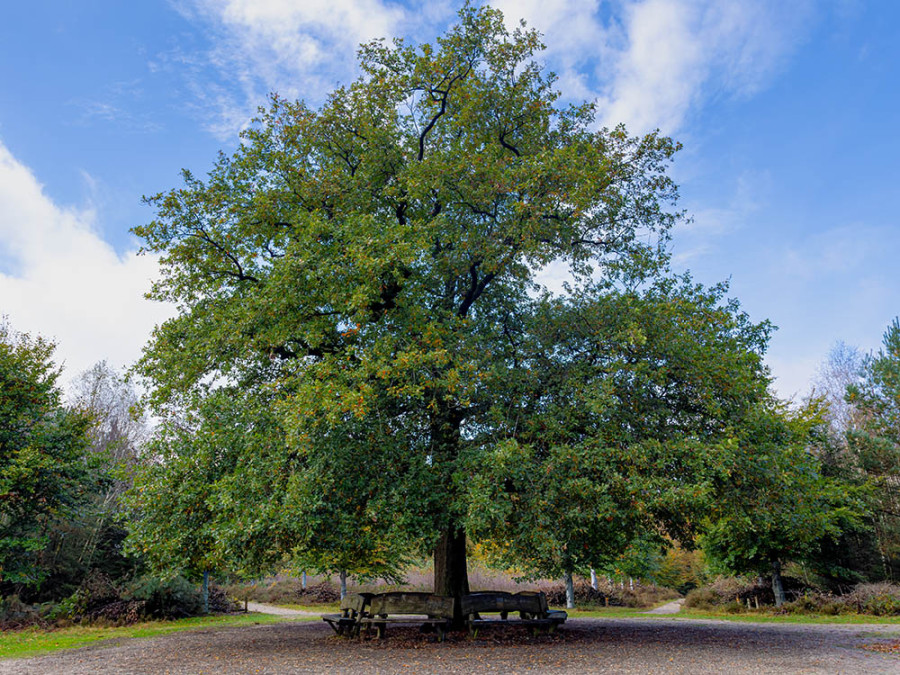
(879, 599)
(725, 590)
(643, 595)
(705, 599)
(175, 598)
(286, 591)
(100, 601)
(729, 593)
(15, 614)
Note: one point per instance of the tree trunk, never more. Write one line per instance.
(451, 575)
(204, 592)
(303, 580)
(570, 591)
(777, 587)
(343, 584)
(593, 579)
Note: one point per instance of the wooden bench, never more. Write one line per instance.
(427, 610)
(533, 610)
(353, 606)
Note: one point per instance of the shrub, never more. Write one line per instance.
(881, 599)
(643, 595)
(721, 592)
(286, 591)
(16, 614)
(724, 590)
(174, 598)
(702, 598)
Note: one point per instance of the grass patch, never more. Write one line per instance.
(35, 642)
(765, 617)
(745, 617)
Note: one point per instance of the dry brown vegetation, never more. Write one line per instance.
(288, 590)
(739, 595)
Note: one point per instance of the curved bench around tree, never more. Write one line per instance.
(353, 606)
(424, 609)
(532, 608)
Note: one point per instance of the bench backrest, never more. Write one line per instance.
(411, 603)
(533, 603)
(542, 598)
(355, 603)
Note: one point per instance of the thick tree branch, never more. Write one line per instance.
(476, 288)
(240, 275)
(444, 96)
(509, 147)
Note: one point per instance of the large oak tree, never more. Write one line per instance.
(368, 269)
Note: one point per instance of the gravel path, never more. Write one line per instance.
(663, 645)
(278, 611)
(669, 608)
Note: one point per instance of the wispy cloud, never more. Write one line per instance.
(299, 49)
(648, 63)
(59, 276)
(710, 222)
(110, 114)
(845, 250)
(679, 53)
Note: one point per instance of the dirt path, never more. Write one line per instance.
(278, 611)
(669, 608)
(647, 645)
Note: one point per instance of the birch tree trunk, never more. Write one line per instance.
(204, 592)
(570, 591)
(777, 586)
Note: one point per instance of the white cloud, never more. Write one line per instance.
(60, 279)
(680, 52)
(299, 49)
(650, 62)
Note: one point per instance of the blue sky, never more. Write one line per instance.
(788, 112)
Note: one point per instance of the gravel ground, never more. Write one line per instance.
(582, 646)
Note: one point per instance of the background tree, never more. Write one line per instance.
(775, 503)
(186, 483)
(874, 442)
(44, 472)
(373, 258)
(91, 537)
(854, 556)
(841, 370)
